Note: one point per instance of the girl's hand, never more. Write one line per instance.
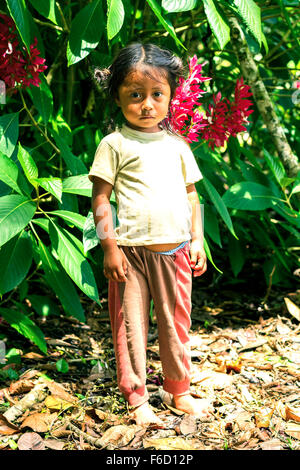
(198, 257)
(115, 265)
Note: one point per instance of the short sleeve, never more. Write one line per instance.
(191, 171)
(105, 163)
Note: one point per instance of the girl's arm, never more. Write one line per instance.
(197, 252)
(114, 263)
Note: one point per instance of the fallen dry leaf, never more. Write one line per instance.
(39, 422)
(21, 386)
(119, 436)
(7, 428)
(168, 443)
(59, 391)
(293, 430)
(292, 308)
(54, 444)
(31, 441)
(56, 403)
(272, 444)
(292, 413)
(33, 355)
(188, 425)
(263, 417)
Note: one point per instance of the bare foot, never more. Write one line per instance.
(200, 408)
(144, 414)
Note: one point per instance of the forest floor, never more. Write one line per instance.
(246, 360)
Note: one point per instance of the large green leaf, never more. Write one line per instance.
(48, 9)
(78, 185)
(218, 22)
(25, 326)
(9, 172)
(28, 165)
(86, 31)
(90, 237)
(73, 261)
(9, 132)
(178, 5)
(275, 166)
(76, 219)
(155, 6)
(15, 213)
(21, 17)
(249, 12)
(211, 224)
(248, 196)
(61, 284)
(42, 99)
(236, 255)
(15, 261)
(209, 256)
(115, 17)
(52, 185)
(219, 204)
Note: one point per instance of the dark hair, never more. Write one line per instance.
(131, 57)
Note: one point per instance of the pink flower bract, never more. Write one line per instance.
(222, 117)
(17, 66)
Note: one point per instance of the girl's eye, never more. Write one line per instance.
(158, 93)
(135, 94)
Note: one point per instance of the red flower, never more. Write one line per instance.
(17, 66)
(183, 118)
(222, 118)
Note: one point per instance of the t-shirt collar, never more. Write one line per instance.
(141, 136)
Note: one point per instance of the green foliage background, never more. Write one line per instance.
(49, 253)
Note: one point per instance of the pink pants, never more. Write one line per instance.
(167, 279)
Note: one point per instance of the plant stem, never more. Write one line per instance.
(36, 124)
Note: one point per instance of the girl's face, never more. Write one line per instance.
(144, 101)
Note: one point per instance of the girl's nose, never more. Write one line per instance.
(147, 104)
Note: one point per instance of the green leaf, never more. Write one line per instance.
(9, 173)
(15, 213)
(218, 22)
(90, 237)
(275, 166)
(21, 16)
(219, 204)
(248, 196)
(73, 261)
(42, 99)
(250, 13)
(74, 164)
(78, 185)
(76, 219)
(28, 165)
(52, 185)
(43, 305)
(236, 255)
(154, 5)
(62, 366)
(61, 283)
(86, 31)
(48, 9)
(25, 326)
(178, 5)
(211, 224)
(115, 17)
(15, 261)
(209, 256)
(9, 133)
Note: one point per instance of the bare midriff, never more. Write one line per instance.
(162, 247)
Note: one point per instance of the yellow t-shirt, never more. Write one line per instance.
(149, 173)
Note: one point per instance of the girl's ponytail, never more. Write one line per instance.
(102, 76)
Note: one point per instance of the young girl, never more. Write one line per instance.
(159, 239)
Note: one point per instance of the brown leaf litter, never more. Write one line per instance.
(245, 359)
